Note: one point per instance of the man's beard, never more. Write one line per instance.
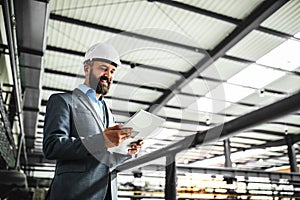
(95, 83)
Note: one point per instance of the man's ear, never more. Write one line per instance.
(86, 68)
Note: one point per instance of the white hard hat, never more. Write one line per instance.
(102, 52)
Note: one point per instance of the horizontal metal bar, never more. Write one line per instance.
(222, 131)
(230, 172)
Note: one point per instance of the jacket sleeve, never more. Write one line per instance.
(58, 142)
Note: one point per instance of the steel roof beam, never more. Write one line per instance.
(246, 26)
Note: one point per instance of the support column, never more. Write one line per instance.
(291, 153)
(228, 164)
(227, 153)
(171, 183)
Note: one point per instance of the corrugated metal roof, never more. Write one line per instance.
(288, 83)
(262, 99)
(236, 9)
(294, 119)
(61, 81)
(279, 128)
(238, 109)
(63, 62)
(146, 77)
(255, 45)
(74, 37)
(133, 93)
(223, 69)
(119, 105)
(259, 135)
(144, 15)
(286, 19)
(199, 87)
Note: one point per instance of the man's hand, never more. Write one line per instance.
(135, 147)
(115, 135)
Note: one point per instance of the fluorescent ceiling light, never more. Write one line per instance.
(285, 56)
(256, 76)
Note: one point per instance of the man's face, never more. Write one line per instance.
(101, 76)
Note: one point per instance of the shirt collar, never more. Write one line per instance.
(89, 91)
(85, 89)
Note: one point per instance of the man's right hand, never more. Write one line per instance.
(115, 135)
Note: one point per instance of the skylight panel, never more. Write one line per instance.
(256, 76)
(232, 93)
(237, 109)
(220, 98)
(285, 56)
(297, 35)
(208, 105)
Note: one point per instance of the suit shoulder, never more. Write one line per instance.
(60, 96)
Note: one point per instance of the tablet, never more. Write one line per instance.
(143, 123)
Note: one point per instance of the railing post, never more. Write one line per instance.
(227, 153)
(291, 154)
(171, 180)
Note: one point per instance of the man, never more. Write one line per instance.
(79, 130)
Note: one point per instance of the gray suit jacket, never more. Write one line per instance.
(73, 137)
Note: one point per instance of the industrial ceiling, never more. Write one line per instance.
(196, 63)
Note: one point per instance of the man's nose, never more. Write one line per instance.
(108, 74)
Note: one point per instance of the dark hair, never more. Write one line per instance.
(89, 62)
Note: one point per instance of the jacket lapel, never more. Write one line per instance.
(84, 99)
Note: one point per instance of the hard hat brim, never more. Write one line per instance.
(116, 64)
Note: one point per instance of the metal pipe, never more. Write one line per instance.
(11, 46)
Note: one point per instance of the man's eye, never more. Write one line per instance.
(103, 68)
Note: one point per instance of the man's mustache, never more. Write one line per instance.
(104, 78)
